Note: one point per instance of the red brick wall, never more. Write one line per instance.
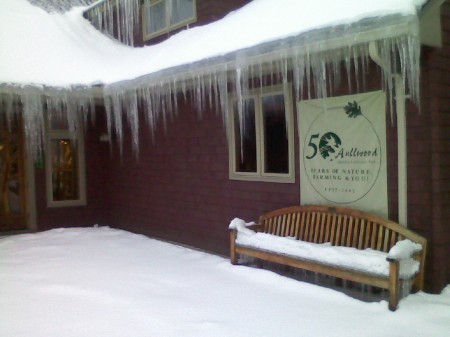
(429, 158)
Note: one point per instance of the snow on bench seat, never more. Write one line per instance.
(368, 260)
(336, 241)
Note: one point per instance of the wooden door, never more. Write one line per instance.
(13, 210)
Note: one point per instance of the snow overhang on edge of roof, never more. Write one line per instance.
(325, 42)
(305, 55)
(61, 6)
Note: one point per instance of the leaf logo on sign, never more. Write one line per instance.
(353, 110)
(329, 144)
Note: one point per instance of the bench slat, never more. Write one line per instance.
(386, 240)
(393, 239)
(297, 225)
(333, 228)
(362, 230)
(338, 230)
(350, 232)
(355, 229)
(380, 238)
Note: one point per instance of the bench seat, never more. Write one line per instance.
(368, 261)
(336, 241)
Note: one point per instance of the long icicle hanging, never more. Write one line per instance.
(308, 68)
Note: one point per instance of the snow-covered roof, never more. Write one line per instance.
(63, 49)
(42, 52)
(60, 5)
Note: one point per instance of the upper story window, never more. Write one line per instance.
(65, 167)
(261, 138)
(162, 16)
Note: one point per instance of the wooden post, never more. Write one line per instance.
(233, 255)
(394, 284)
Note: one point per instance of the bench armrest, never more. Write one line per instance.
(403, 250)
(240, 224)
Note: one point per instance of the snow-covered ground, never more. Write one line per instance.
(104, 282)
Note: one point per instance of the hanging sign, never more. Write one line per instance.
(343, 152)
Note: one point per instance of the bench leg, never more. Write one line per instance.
(394, 285)
(233, 254)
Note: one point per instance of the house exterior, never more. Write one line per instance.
(194, 171)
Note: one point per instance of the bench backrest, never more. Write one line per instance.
(338, 226)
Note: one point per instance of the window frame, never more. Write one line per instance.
(168, 27)
(260, 175)
(78, 137)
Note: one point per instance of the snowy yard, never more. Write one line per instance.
(106, 282)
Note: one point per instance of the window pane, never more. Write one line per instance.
(276, 145)
(181, 10)
(245, 137)
(64, 170)
(156, 17)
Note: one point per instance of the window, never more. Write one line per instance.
(261, 137)
(162, 16)
(65, 170)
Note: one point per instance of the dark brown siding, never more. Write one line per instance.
(429, 158)
(179, 190)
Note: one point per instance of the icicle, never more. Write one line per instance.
(223, 92)
(117, 118)
(132, 114)
(33, 119)
(198, 93)
(121, 14)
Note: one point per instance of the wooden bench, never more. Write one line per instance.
(339, 227)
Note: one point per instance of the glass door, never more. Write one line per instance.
(13, 214)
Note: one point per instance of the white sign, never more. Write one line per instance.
(343, 152)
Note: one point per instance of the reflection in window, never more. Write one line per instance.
(64, 170)
(11, 184)
(276, 144)
(161, 16)
(261, 138)
(156, 17)
(182, 10)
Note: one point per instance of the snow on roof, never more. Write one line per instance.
(63, 49)
(60, 5)
(61, 56)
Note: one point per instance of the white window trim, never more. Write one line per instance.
(78, 136)
(257, 94)
(169, 27)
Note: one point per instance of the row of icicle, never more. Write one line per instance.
(155, 95)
